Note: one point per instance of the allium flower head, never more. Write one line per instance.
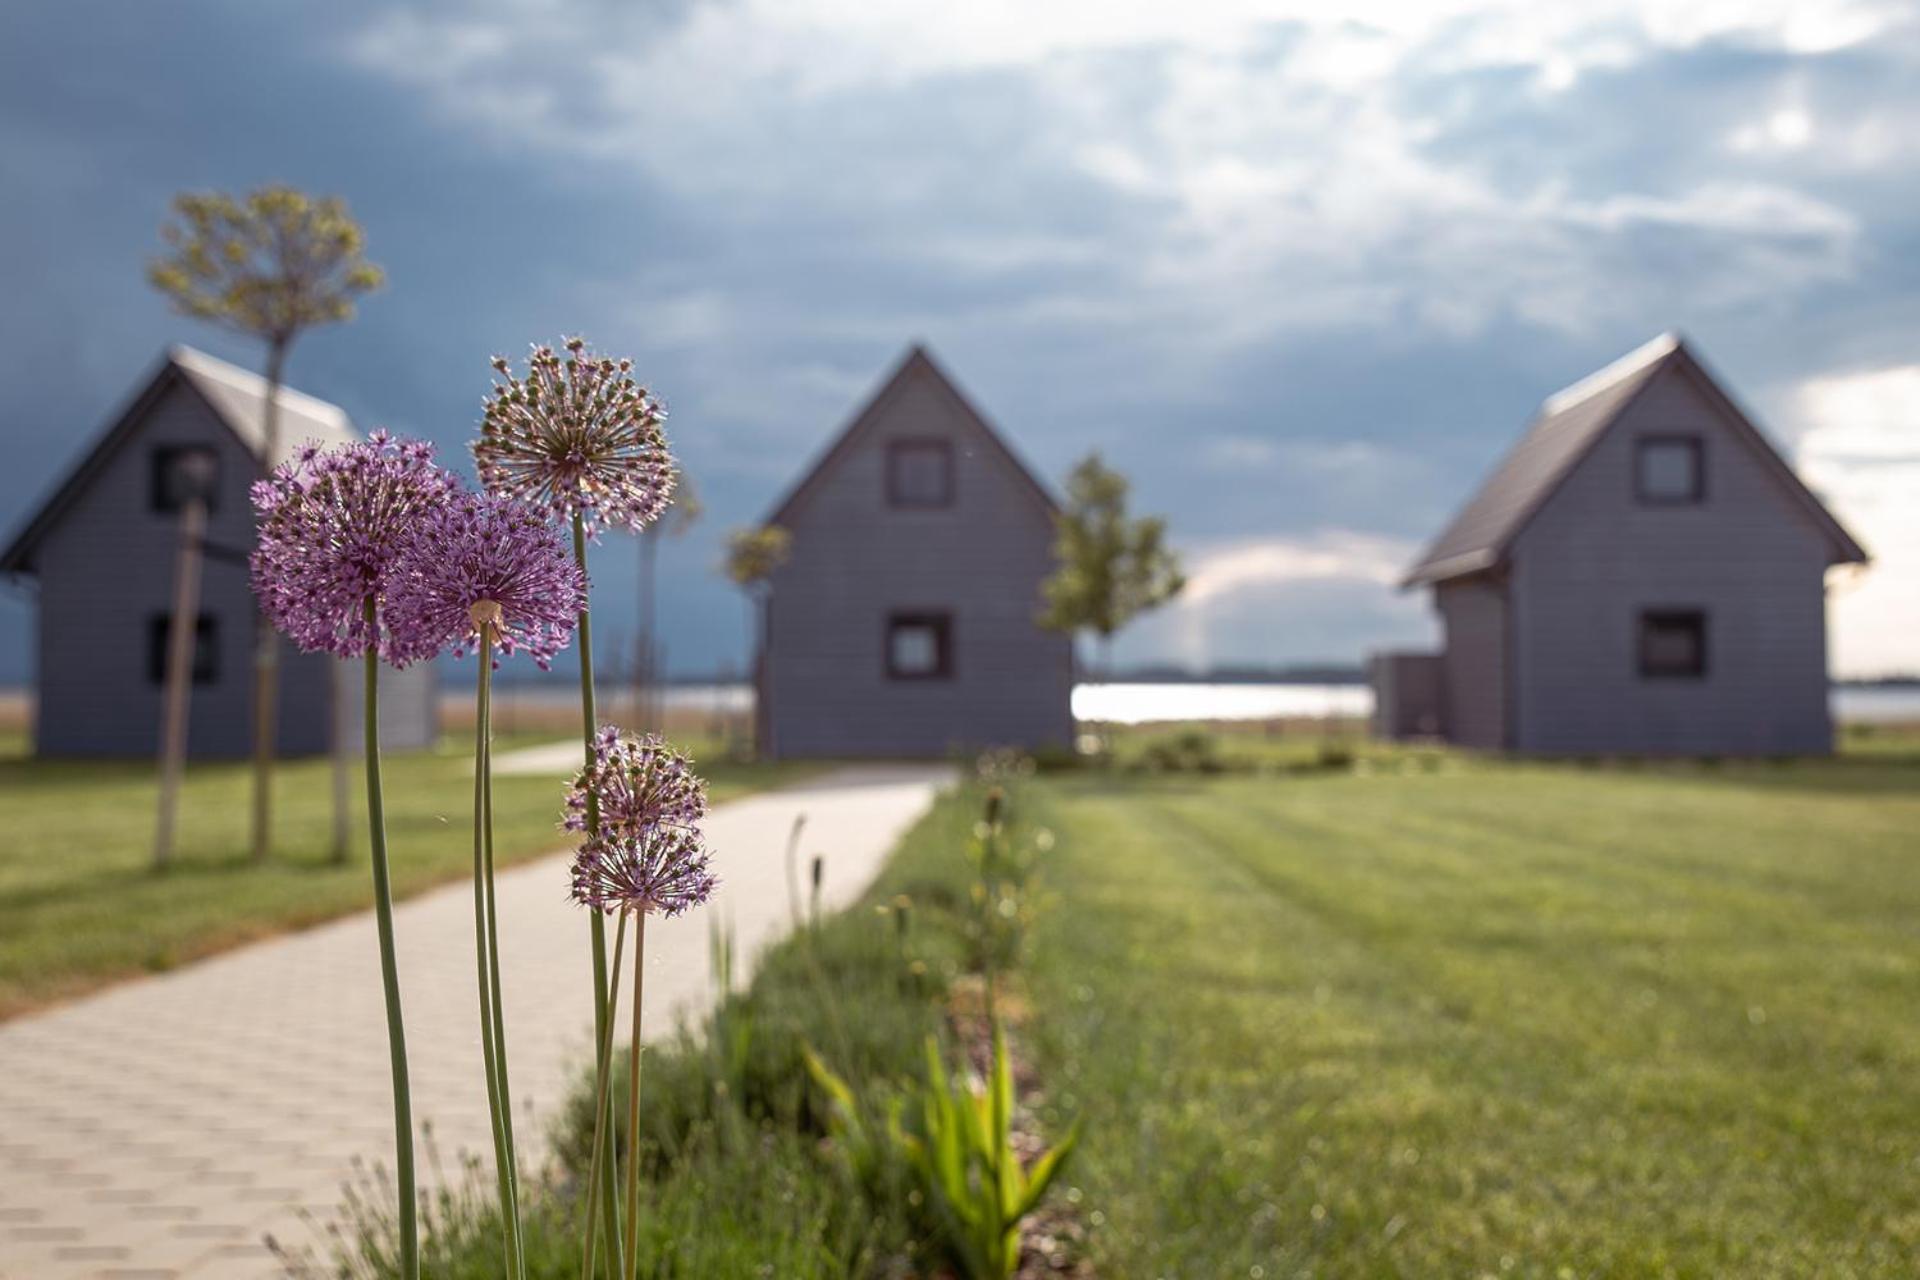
(481, 559)
(577, 435)
(638, 784)
(332, 525)
(662, 870)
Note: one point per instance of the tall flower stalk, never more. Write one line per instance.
(333, 526)
(579, 436)
(489, 575)
(646, 857)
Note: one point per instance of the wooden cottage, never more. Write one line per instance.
(904, 621)
(1642, 574)
(101, 552)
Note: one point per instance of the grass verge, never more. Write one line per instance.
(81, 906)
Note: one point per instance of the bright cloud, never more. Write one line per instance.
(1862, 451)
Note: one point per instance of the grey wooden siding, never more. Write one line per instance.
(1593, 557)
(1408, 695)
(1474, 616)
(106, 569)
(855, 560)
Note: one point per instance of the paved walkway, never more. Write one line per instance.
(160, 1129)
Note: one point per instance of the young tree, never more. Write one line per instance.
(269, 265)
(752, 557)
(1111, 567)
(644, 684)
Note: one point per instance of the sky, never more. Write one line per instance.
(1303, 277)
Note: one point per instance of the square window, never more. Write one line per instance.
(919, 473)
(184, 472)
(1673, 643)
(920, 646)
(206, 648)
(1669, 469)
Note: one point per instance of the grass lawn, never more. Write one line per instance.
(80, 904)
(1502, 1020)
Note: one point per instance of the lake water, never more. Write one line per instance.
(1144, 703)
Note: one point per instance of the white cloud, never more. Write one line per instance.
(1861, 450)
(1263, 176)
(1221, 571)
(1271, 599)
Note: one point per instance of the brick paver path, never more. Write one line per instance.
(160, 1129)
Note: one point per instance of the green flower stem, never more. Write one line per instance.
(603, 1071)
(390, 971)
(602, 1010)
(633, 1100)
(485, 959)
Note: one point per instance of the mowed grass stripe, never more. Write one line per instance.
(1465, 1040)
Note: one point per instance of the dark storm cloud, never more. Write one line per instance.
(1298, 301)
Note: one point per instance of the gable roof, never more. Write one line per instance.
(236, 398)
(917, 362)
(1569, 424)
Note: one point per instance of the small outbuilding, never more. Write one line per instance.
(1642, 574)
(100, 555)
(904, 622)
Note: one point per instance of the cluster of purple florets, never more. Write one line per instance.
(662, 871)
(578, 436)
(635, 783)
(645, 852)
(332, 530)
(482, 559)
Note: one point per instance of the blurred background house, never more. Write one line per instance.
(1642, 574)
(903, 622)
(100, 555)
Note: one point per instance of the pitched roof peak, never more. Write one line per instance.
(1640, 358)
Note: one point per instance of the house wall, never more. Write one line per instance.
(107, 568)
(1409, 692)
(1594, 556)
(854, 560)
(1474, 618)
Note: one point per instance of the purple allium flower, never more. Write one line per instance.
(481, 558)
(638, 784)
(661, 870)
(332, 525)
(577, 435)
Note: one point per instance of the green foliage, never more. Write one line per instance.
(1188, 751)
(754, 554)
(1111, 567)
(960, 1144)
(839, 985)
(269, 264)
(1002, 857)
(956, 1142)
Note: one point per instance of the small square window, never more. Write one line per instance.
(919, 473)
(920, 646)
(182, 473)
(1669, 469)
(1673, 643)
(206, 648)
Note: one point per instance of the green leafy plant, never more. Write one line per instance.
(958, 1142)
(953, 1141)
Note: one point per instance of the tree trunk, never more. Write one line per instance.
(762, 703)
(182, 635)
(266, 644)
(645, 650)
